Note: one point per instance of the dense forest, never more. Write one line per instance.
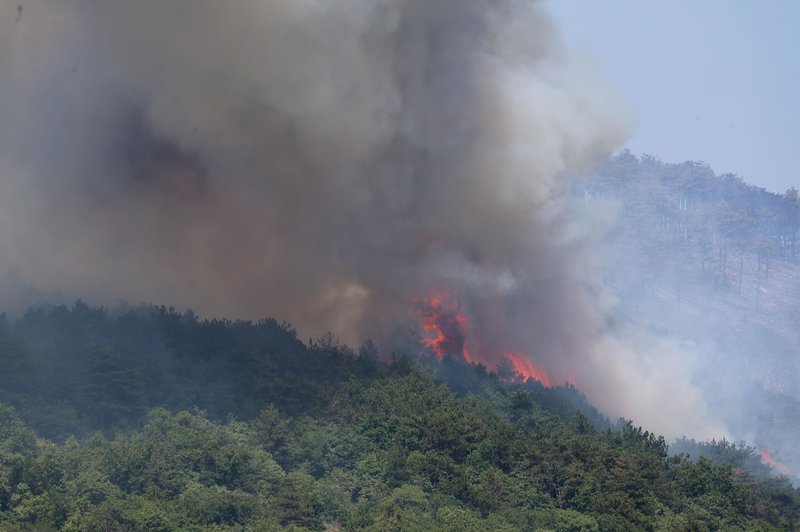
(148, 419)
(411, 170)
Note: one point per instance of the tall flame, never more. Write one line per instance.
(446, 326)
(767, 458)
(527, 369)
(444, 319)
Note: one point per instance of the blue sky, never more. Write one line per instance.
(710, 80)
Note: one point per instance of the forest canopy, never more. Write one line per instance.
(148, 419)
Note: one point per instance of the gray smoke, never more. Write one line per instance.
(327, 163)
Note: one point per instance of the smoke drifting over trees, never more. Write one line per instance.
(331, 164)
(325, 163)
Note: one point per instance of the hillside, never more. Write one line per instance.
(313, 435)
(713, 262)
(693, 237)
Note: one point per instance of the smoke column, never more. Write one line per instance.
(327, 163)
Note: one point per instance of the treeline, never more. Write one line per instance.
(76, 370)
(262, 431)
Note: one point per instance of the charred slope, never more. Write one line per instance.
(317, 435)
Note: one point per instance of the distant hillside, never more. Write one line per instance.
(713, 261)
(682, 227)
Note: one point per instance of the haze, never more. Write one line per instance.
(710, 80)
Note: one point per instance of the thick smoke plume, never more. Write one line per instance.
(327, 163)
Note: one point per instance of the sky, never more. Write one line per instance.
(706, 80)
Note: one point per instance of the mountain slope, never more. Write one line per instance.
(324, 438)
(711, 263)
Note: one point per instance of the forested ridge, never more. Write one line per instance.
(149, 419)
(684, 230)
(711, 261)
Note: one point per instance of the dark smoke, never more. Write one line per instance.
(328, 163)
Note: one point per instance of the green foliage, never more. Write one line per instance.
(311, 437)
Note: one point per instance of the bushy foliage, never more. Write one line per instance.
(182, 424)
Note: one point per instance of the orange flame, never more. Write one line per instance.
(526, 368)
(443, 316)
(766, 458)
(445, 323)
